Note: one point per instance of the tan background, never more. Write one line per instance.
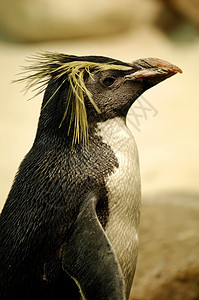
(168, 142)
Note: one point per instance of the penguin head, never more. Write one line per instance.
(84, 90)
(115, 90)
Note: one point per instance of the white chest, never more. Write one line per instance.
(124, 195)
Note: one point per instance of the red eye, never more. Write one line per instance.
(108, 81)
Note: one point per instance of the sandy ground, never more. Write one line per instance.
(167, 133)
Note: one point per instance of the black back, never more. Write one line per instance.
(43, 203)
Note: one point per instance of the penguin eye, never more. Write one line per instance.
(109, 81)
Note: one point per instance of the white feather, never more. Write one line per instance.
(124, 194)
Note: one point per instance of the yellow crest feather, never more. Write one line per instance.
(53, 66)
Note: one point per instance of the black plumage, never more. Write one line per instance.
(47, 249)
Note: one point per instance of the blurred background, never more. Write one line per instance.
(164, 120)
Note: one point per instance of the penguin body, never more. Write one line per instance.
(69, 227)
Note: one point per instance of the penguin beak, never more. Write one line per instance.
(152, 70)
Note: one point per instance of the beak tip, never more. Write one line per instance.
(179, 70)
(171, 68)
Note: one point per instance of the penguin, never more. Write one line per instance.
(69, 227)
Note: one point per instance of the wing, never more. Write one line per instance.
(89, 258)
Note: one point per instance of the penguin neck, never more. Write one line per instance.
(49, 131)
(114, 130)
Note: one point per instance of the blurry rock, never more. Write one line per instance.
(189, 9)
(168, 263)
(179, 19)
(184, 285)
(169, 18)
(41, 20)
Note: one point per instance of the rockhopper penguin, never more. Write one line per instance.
(69, 227)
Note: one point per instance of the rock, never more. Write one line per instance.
(42, 20)
(183, 285)
(188, 9)
(179, 20)
(168, 263)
